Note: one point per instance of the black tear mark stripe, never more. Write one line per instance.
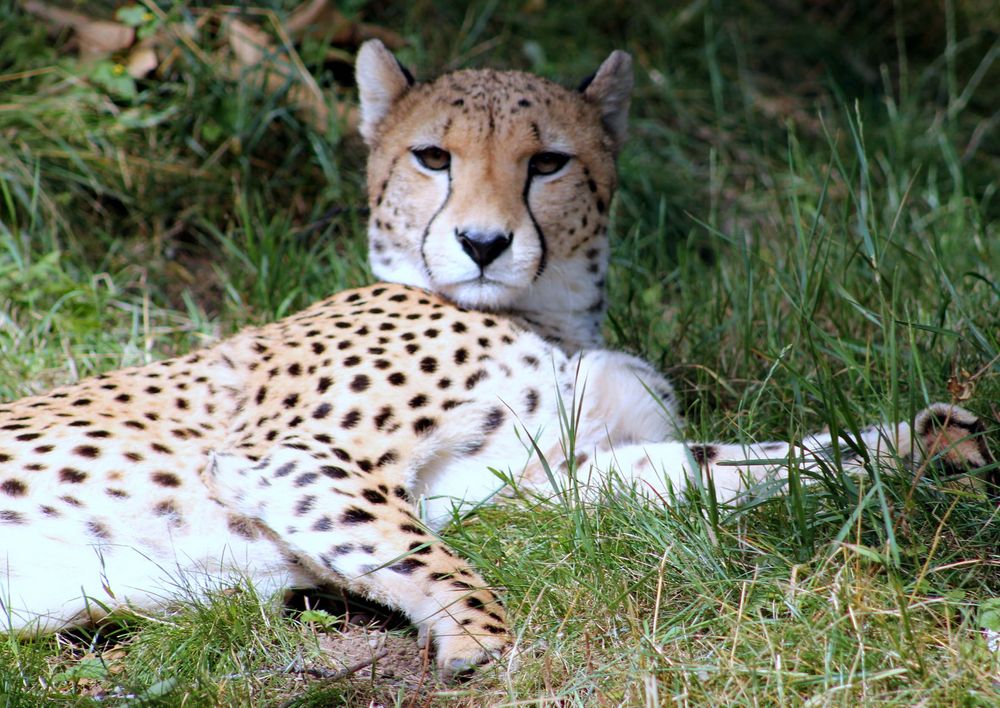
(427, 229)
(544, 260)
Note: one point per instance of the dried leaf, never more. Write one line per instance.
(257, 60)
(249, 44)
(95, 38)
(100, 38)
(319, 18)
(142, 61)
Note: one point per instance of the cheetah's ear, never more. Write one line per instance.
(611, 88)
(381, 81)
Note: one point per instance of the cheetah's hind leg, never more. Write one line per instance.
(357, 530)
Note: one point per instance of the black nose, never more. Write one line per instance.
(484, 247)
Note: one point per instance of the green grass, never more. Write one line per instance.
(807, 234)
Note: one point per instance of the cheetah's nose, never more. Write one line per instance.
(484, 247)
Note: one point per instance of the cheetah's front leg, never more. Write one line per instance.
(356, 529)
(944, 435)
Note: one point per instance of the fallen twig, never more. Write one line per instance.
(328, 675)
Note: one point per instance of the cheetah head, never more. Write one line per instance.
(492, 188)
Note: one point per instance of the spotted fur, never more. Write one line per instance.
(328, 447)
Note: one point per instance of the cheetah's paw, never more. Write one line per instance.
(955, 439)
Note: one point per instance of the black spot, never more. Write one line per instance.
(305, 479)
(318, 348)
(494, 419)
(386, 459)
(350, 419)
(97, 530)
(407, 566)
(423, 425)
(411, 529)
(261, 395)
(531, 400)
(333, 471)
(13, 488)
(295, 369)
(322, 411)
(82, 402)
(325, 382)
(428, 365)
(703, 453)
(291, 400)
(397, 378)
(285, 470)
(420, 549)
(470, 383)
(474, 602)
(458, 327)
(360, 383)
(418, 401)
(166, 479)
(322, 524)
(98, 434)
(341, 454)
(461, 356)
(374, 497)
(383, 417)
(354, 515)
(304, 505)
(11, 517)
(71, 475)
(165, 508)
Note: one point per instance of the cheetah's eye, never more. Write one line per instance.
(433, 157)
(546, 163)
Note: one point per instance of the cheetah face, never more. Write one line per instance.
(492, 188)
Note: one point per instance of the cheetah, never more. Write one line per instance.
(330, 446)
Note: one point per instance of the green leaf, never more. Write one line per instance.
(134, 15)
(91, 668)
(989, 614)
(113, 77)
(321, 618)
(159, 689)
